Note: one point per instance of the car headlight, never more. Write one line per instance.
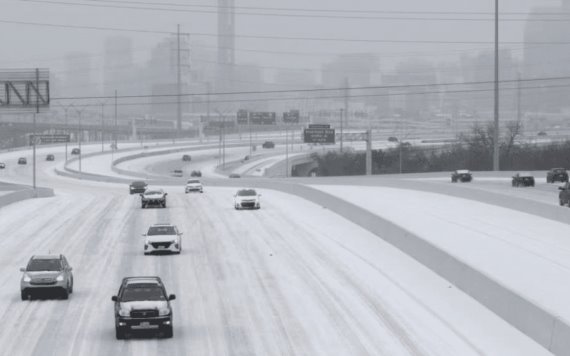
(27, 278)
(163, 311)
(124, 312)
(59, 278)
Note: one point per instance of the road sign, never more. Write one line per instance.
(291, 117)
(48, 139)
(262, 118)
(319, 135)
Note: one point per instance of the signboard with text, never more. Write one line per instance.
(319, 135)
(48, 139)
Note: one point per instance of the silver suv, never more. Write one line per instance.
(46, 273)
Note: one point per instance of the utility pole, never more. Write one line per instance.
(286, 151)
(250, 139)
(179, 86)
(79, 139)
(346, 94)
(66, 131)
(116, 127)
(209, 88)
(35, 113)
(496, 133)
(369, 152)
(518, 96)
(341, 132)
(102, 126)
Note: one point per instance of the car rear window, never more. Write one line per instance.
(138, 184)
(161, 230)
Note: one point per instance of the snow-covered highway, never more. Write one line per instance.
(290, 279)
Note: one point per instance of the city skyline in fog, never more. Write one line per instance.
(30, 46)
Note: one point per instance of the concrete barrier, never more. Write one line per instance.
(24, 194)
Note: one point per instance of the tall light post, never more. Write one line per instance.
(80, 134)
(496, 133)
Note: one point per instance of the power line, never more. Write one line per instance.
(98, 28)
(404, 86)
(312, 10)
(458, 91)
(266, 14)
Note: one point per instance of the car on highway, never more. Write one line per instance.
(195, 173)
(392, 139)
(153, 197)
(564, 195)
(542, 133)
(461, 175)
(194, 185)
(162, 238)
(22, 160)
(557, 175)
(186, 158)
(50, 157)
(234, 175)
(2, 165)
(523, 179)
(46, 273)
(247, 198)
(268, 144)
(137, 187)
(142, 304)
(178, 173)
(75, 151)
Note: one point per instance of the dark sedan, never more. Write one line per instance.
(137, 187)
(461, 175)
(523, 180)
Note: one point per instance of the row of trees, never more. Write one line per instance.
(473, 151)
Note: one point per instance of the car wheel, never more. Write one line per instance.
(560, 202)
(164, 205)
(168, 332)
(24, 295)
(65, 294)
(71, 287)
(143, 206)
(119, 333)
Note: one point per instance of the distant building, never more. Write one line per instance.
(162, 75)
(361, 69)
(544, 60)
(77, 78)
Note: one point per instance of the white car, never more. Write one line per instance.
(247, 198)
(153, 197)
(2, 165)
(194, 185)
(162, 238)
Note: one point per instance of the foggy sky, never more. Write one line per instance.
(31, 46)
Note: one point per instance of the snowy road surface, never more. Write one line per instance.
(289, 279)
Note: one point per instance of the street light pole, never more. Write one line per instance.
(341, 115)
(496, 133)
(102, 126)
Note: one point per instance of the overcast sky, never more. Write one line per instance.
(30, 46)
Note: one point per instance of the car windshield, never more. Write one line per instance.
(142, 292)
(151, 192)
(44, 265)
(195, 181)
(138, 184)
(247, 193)
(161, 230)
(559, 170)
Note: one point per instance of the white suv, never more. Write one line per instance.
(162, 238)
(194, 185)
(247, 198)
